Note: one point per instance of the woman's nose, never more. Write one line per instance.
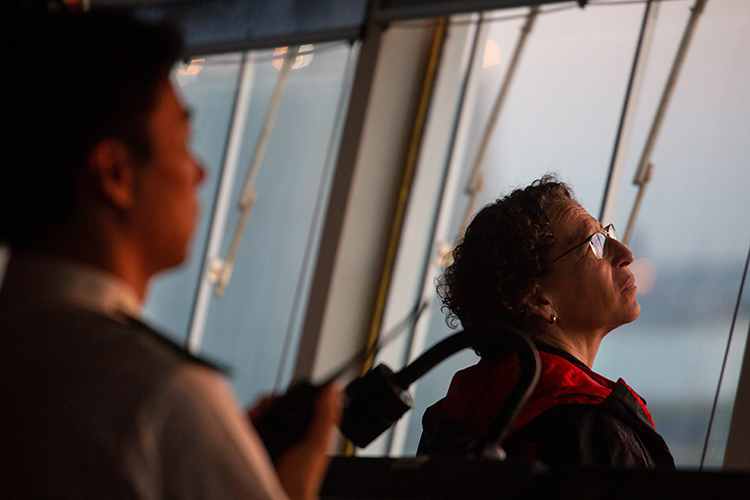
(619, 254)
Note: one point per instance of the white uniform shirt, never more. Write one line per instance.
(188, 439)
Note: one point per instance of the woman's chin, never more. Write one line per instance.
(635, 312)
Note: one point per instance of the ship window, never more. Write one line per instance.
(561, 115)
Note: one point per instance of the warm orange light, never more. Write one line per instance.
(277, 63)
(188, 73)
(303, 59)
(192, 69)
(491, 54)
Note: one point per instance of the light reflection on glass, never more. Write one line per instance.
(188, 73)
(304, 58)
(491, 54)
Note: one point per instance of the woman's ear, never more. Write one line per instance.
(111, 170)
(541, 305)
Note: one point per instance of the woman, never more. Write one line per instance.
(538, 261)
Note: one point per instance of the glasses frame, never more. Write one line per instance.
(607, 232)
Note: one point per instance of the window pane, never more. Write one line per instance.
(561, 115)
(265, 299)
(691, 240)
(564, 105)
(246, 329)
(691, 236)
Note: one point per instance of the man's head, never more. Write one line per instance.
(78, 79)
(159, 203)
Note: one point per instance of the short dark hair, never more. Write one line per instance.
(497, 266)
(77, 78)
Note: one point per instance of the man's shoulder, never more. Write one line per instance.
(95, 402)
(78, 346)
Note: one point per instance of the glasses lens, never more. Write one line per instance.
(597, 244)
(611, 232)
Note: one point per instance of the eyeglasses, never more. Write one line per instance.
(596, 241)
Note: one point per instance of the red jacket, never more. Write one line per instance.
(573, 412)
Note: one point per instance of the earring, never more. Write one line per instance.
(553, 320)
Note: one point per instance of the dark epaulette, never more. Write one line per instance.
(177, 349)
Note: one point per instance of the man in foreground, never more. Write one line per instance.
(98, 194)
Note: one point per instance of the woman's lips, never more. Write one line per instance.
(630, 285)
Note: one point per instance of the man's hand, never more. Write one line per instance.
(302, 468)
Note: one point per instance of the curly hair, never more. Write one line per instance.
(497, 266)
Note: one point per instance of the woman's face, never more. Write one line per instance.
(587, 294)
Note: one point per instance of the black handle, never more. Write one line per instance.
(287, 419)
(377, 400)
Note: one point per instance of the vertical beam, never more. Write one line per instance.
(403, 306)
(340, 188)
(405, 190)
(456, 76)
(364, 196)
(627, 118)
(220, 271)
(666, 96)
(222, 202)
(737, 454)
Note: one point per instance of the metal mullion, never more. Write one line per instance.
(223, 201)
(645, 167)
(627, 118)
(443, 215)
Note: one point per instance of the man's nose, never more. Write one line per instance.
(200, 171)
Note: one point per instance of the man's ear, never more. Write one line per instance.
(111, 170)
(541, 305)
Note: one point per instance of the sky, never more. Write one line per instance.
(565, 104)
